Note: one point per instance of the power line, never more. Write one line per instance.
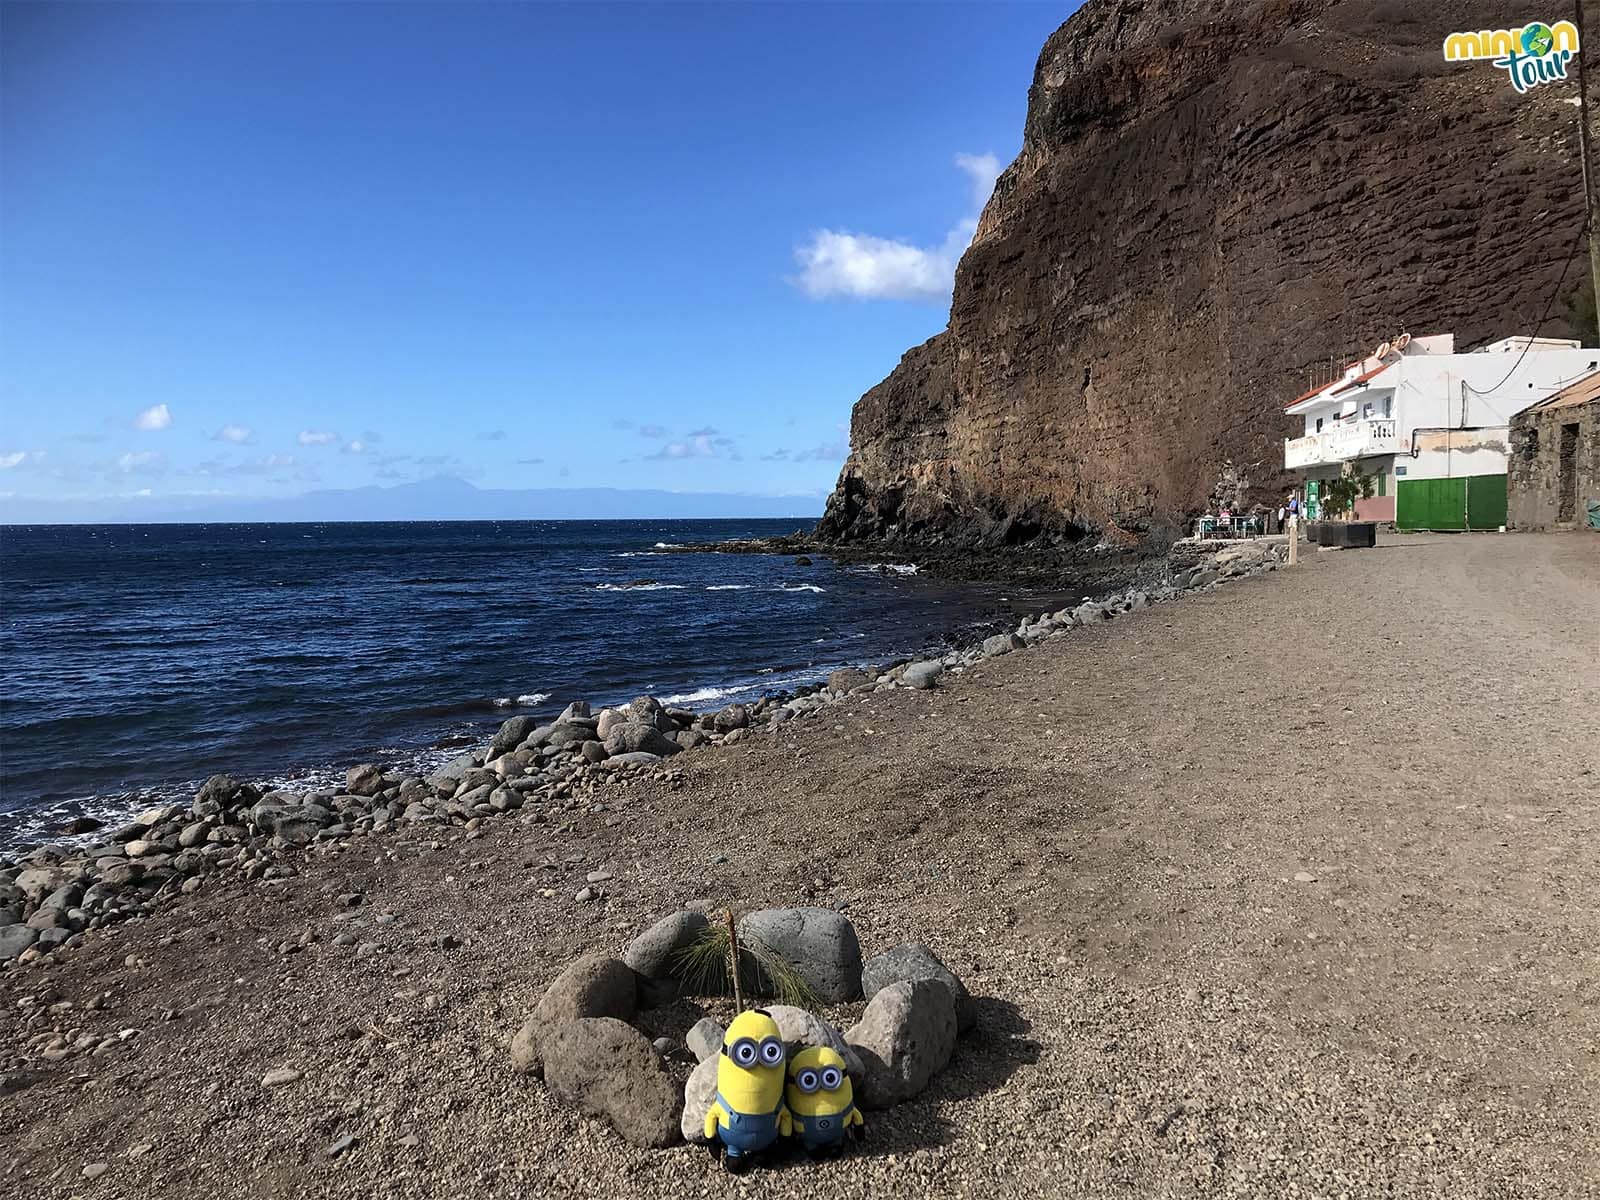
(1548, 305)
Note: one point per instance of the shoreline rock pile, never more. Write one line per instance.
(545, 773)
(581, 1041)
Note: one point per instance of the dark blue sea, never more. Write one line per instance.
(139, 659)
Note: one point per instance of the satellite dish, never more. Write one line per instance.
(1382, 352)
(1401, 342)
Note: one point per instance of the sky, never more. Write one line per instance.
(262, 249)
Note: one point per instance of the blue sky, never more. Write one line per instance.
(258, 249)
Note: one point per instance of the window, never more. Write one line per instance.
(1388, 406)
(1319, 424)
(1383, 483)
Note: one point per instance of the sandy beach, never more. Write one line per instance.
(1284, 889)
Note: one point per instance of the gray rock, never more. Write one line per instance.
(818, 942)
(1001, 643)
(913, 960)
(217, 795)
(14, 939)
(608, 720)
(637, 737)
(577, 709)
(649, 711)
(704, 1040)
(846, 678)
(690, 739)
(49, 939)
(608, 1069)
(194, 834)
(593, 986)
(38, 882)
(699, 1093)
(637, 758)
(594, 751)
(511, 734)
(800, 1029)
(452, 772)
(905, 1037)
(731, 717)
(920, 675)
(1088, 614)
(573, 733)
(364, 779)
(652, 952)
(1202, 576)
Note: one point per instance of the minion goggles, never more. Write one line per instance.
(748, 1053)
(827, 1079)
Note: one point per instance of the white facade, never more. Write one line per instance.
(1420, 410)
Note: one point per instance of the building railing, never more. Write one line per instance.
(1341, 443)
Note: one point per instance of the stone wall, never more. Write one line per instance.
(1533, 479)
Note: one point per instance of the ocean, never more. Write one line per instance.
(140, 659)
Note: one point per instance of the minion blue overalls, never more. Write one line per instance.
(747, 1133)
(821, 1130)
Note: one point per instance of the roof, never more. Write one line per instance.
(1362, 378)
(1580, 392)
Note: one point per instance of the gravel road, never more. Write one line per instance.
(1282, 890)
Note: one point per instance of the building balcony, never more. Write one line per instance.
(1341, 443)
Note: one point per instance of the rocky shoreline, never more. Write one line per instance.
(51, 896)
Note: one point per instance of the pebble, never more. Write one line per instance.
(341, 1144)
(94, 1170)
(1304, 877)
(599, 876)
(585, 895)
(279, 1076)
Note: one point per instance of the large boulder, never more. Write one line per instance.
(14, 939)
(570, 733)
(511, 735)
(847, 678)
(578, 709)
(637, 737)
(452, 772)
(220, 793)
(800, 1029)
(731, 717)
(904, 1038)
(609, 1069)
(596, 985)
(699, 1093)
(652, 952)
(704, 1039)
(920, 675)
(819, 943)
(910, 961)
(364, 779)
(1001, 643)
(649, 711)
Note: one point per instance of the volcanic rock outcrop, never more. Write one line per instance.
(1215, 200)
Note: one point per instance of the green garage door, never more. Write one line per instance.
(1486, 501)
(1472, 502)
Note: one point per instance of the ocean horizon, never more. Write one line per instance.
(140, 659)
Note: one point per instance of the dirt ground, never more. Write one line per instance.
(1284, 890)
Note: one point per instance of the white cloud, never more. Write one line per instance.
(355, 446)
(316, 437)
(239, 435)
(704, 443)
(142, 461)
(862, 267)
(17, 457)
(157, 416)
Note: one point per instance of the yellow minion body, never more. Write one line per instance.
(748, 1114)
(821, 1099)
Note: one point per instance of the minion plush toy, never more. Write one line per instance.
(821, 1101)
(748, 1114)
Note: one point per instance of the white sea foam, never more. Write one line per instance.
(895, 568)
(526, 700)
(702, 694)
(728, 587)
(799, 587)
(639, 587)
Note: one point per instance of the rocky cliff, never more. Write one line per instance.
(1213, 200)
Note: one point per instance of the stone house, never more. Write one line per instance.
(1554, 470)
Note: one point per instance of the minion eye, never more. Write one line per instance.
(830, 1078)
(806, 1081)
(745, 1052)
(772, 1052)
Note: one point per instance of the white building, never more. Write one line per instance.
(1429, 425)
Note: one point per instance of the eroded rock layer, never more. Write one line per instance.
(1213, 201)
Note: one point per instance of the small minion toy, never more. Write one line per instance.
(748, 1114)
(821, 1101)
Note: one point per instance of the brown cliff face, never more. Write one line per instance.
(1213, 199)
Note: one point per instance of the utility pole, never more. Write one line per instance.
(1589, 213)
